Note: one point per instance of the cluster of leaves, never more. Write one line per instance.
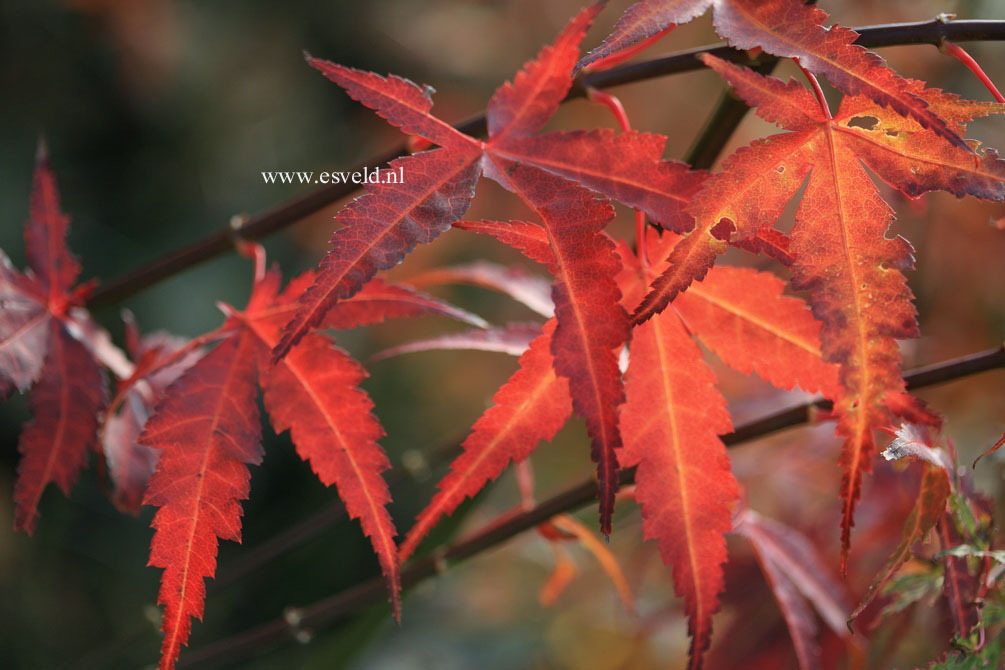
(182, 426)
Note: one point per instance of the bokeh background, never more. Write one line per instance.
(160, 116)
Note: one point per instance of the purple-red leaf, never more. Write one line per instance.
(402, 103)
(159, 364)
(513, 339)
(65, 404)
(798, 576)
(24, 322)
(643, 20)
(45, 235)
(532, 291)
(382, 226)
(525, 105)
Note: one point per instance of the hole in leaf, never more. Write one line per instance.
(780, 169)
(723, 230)
(865, 122)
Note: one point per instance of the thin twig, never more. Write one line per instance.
(927, 32)
(374, 591)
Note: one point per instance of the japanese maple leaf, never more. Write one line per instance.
(529, 408)
(382, 226)
(160, 359)
(208, 432)
(513, 339)
(841, 254)
(754, 184)
(41, 349)
(591, 324)
(789, 29)
(530, 290)
(673, 413)
(799, 577)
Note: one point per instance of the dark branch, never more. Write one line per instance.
(374, 591)
(927, 32)
(722, 123)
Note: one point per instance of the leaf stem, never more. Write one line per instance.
(817, 91)
(957, 52)
(612, 103)
(621, 116)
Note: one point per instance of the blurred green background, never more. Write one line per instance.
(160, 117)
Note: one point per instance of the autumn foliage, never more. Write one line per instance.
(620, 342)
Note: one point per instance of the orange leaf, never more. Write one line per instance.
(602, 553)
(670, 422)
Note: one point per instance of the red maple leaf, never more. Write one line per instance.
(672, 413)
(528, 409)
(382, 226)
(43, 347)
(841, 254)
(207, 431)
(161, 358)
(800, 578)
(789, 29)
(592, 325)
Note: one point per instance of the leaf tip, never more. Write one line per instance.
(995, 447)
(642, 314)
(42, 151)
(290, 338)
(25, 521)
